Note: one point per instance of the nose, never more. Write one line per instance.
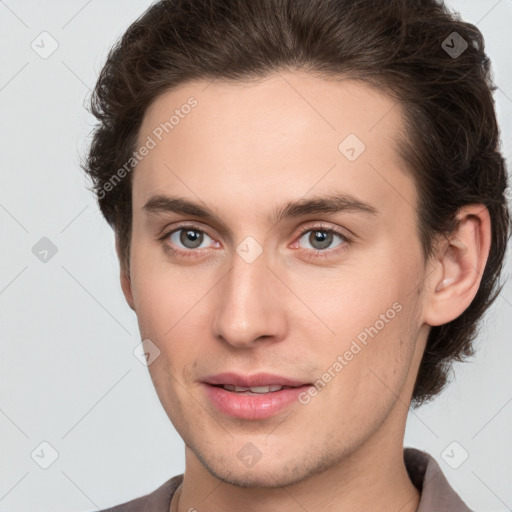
(250, 304)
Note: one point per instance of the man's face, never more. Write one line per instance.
(305, 296)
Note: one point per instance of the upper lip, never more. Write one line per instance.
(249, 381)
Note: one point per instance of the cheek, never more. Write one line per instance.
(163, 293)
(372, 314)
(365, 369)
(169, 302)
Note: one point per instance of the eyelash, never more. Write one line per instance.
(311, 253)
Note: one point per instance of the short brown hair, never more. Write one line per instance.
(400, 46)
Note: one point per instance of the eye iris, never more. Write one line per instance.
(191, 236)
(323, 238)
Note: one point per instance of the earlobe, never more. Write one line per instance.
(460, 263)
(126, 284)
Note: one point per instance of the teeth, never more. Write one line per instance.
(254, 389)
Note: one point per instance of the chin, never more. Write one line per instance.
(267, 473)
(255, 478)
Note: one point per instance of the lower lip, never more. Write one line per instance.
(252, 407)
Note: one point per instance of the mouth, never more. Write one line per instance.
(254, 390)
(252, 397)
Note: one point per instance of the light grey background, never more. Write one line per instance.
(68, 375)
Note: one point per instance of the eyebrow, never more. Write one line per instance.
(332, 203)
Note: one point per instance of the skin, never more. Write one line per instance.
(243, 151)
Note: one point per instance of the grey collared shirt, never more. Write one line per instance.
(436, 493)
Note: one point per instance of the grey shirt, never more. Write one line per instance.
(436, 493)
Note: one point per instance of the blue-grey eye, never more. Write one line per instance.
(320, 238)
(189, 238)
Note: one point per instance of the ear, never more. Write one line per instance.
(458, 266)
(126, 284)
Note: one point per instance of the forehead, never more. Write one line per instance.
(286, 103)
(283, 135)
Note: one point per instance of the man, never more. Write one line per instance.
(308, 202)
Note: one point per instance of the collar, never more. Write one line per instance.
(426, 475)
